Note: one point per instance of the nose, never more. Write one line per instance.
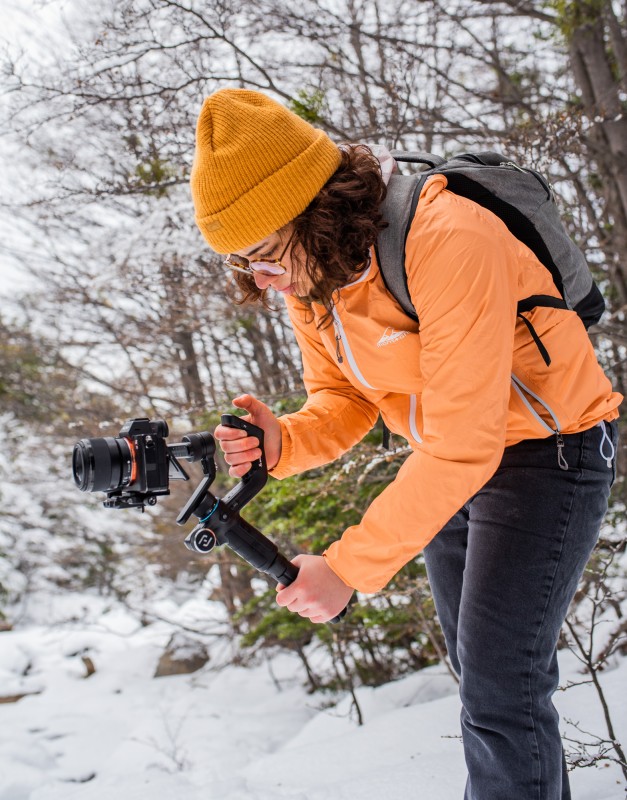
(263, 281)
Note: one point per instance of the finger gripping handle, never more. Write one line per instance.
(233, 421)
(289, 576)
(255, 479)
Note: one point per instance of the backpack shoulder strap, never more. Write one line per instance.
(398, 211)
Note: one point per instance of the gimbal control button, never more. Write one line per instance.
(205, 540)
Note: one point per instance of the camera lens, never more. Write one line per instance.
(103, 465)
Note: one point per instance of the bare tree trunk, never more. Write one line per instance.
(599, 61)
(600, 85)
(188, 367)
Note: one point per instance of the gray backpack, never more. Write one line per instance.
(522, 198)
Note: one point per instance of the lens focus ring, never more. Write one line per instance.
(102, 465)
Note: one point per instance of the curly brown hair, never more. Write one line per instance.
(335, 231)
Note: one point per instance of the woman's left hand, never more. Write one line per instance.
(317, 593)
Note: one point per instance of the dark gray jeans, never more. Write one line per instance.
(503, 572)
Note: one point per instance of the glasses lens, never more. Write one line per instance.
(242, 264)
(237, 262)
(267, 267)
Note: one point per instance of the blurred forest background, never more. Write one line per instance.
(113, 306)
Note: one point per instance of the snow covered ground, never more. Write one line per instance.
(226, 732)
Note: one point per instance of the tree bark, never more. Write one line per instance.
(600, 85)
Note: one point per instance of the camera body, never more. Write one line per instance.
(133, 468)
(147, 441)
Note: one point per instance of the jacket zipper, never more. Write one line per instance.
(341, 339)
(520, 388)
(338, 352)
(413, 403)
(475, 161)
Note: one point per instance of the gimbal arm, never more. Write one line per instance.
(220, 522)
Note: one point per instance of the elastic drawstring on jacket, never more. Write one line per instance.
(605, 438)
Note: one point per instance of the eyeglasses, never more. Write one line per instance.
(267, 266)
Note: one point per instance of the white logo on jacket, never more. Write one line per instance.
(391, 335)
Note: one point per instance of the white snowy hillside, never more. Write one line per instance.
(95, 723)
(93, 704)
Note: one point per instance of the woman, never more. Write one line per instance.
(507, 512)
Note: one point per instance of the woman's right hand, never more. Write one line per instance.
(240, 450)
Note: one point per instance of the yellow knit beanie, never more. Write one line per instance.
(256, 167)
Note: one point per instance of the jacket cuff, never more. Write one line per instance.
(282, 469)
(334, 561)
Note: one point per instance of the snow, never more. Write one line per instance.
(227, 731)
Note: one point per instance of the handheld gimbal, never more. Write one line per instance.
(135, 468)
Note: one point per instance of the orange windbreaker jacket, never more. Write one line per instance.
(469, 384)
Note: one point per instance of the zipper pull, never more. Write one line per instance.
(560, 452)
(337, 348)
(512, 164)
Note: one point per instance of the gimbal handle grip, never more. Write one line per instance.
(255, 479)
(233, 421)
(282, 570)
